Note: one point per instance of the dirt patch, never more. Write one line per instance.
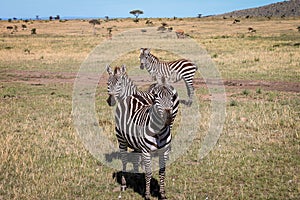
(45, 77)
(38, 77)
(256, 84)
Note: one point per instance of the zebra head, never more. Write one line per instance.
(145, 52)
(114, 83)
(163, 100)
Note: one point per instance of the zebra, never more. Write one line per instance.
(174, 70)
(145, 127)
(119, 86)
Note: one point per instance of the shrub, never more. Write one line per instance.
(259, 91)
(33, 31)
(246, 92)
(233, 103)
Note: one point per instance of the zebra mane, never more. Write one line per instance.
(146, 51)
(118, 71)
(128, 80)
(153, 56)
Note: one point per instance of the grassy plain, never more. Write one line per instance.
(256, 157)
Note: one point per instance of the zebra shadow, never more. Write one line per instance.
(134, 181)
(137, 182)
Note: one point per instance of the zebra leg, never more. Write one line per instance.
(173, 77)
(163, 156)
(154, 76)
(190, 92)
(136, 161)
(123, 152)
(148, 173)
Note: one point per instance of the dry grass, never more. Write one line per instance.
(256, 157)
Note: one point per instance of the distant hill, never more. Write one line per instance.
(289, 8)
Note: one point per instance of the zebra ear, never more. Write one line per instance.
(142, 50)
(108, 69)
(123, 69)
(147, 50)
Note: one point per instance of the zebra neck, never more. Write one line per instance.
(128, 88)
(152, 61)
(156, 123)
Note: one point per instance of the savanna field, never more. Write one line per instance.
(256, 157)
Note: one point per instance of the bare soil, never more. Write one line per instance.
(44, 77)
(255, 84)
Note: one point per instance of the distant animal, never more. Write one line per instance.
(251, 30)
(161, 28)
(180, 33)
(149, 22)
(236, 21)
(27, 51)
(9, 27)
(24, 27)
(174, 70)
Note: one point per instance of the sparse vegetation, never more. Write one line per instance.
(281, 9)
(94, 22)
(256, 157)
(33, 31)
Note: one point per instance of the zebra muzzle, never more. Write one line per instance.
(142, 66)
(111, 100)
(168, 116)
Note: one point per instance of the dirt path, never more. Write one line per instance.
(255, 84)
(42, 78)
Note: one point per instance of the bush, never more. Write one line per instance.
(33, 31)
(233, 103)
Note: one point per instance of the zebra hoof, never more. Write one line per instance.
(123, 184)
(162, 196)
(123, 188)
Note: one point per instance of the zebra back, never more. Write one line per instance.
(174, 71)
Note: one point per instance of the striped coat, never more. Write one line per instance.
(143, 121)
(174, 70)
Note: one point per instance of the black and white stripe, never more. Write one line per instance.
(174, 70)
(119, 86)
(143, 121)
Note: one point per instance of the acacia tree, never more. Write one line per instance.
(136, 13)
